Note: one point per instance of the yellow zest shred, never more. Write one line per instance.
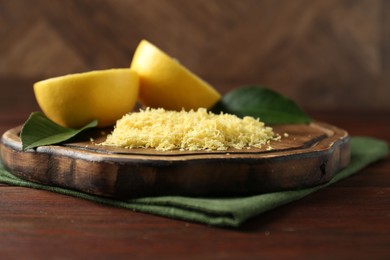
(188, 130)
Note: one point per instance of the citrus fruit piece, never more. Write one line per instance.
(165, 83)
(76, 99)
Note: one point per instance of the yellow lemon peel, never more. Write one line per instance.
(76, 99)
(165, 83)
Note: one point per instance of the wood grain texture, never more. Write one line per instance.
(347, 220)
(325, 54)
(311, 154)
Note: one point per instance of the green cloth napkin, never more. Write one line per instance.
(227, 212)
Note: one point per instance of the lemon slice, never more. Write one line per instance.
(76, 99)
(165, 83)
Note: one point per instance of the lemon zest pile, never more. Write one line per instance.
(188, 130)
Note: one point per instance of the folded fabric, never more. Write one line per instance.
(228, 212)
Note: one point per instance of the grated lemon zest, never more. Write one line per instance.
(188, 130)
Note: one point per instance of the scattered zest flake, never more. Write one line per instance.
(188, 130)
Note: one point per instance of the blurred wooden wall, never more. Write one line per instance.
(325, 54)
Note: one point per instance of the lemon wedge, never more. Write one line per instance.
(76, 99)
(165, 83)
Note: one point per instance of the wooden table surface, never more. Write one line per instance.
(348, 220)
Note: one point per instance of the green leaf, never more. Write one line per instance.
(265, 104)
(38, 130)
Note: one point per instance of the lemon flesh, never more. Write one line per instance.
(165, 83)
(76, 99)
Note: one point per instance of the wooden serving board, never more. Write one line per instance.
(306, 155)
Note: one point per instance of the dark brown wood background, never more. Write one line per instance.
(325, 54)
